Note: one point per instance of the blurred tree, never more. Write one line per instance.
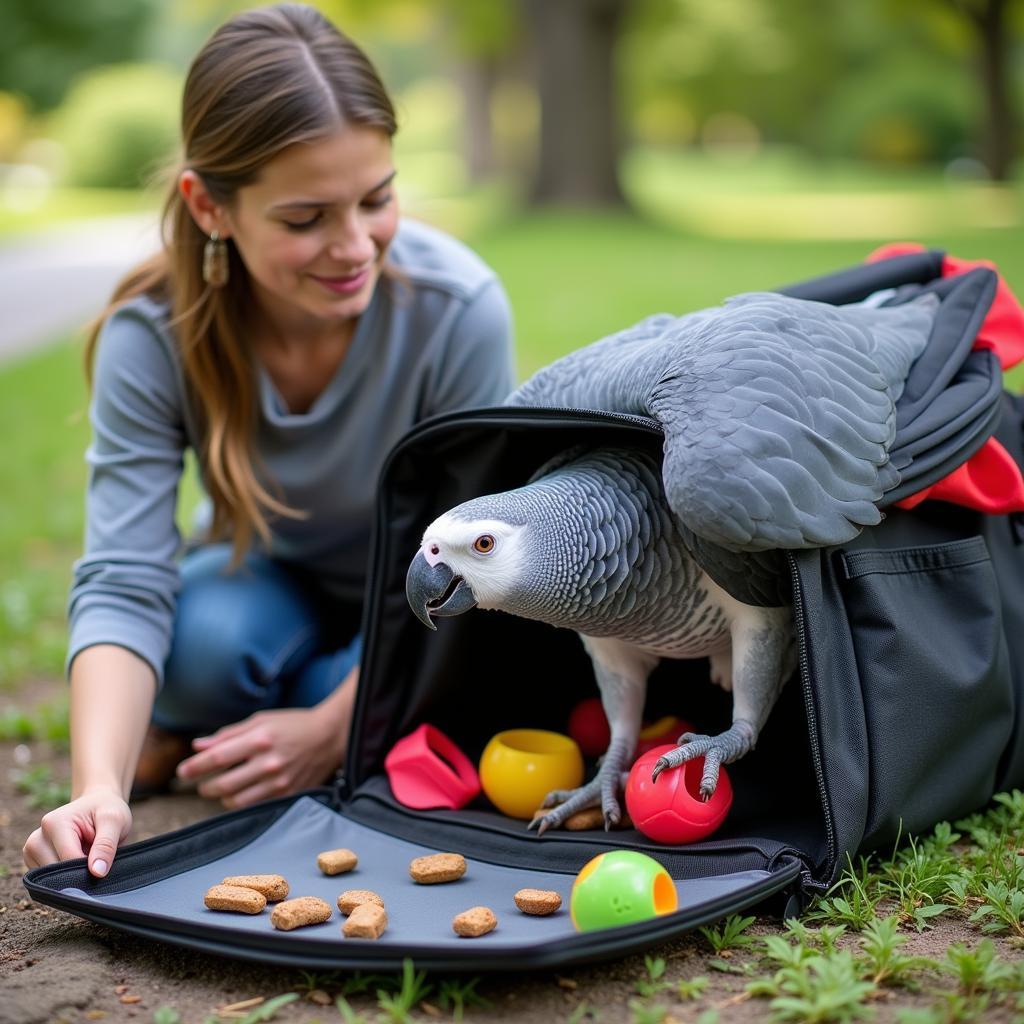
(990, 21)
(44, 44)
(487, 40)
(991, 26)
(580, 144)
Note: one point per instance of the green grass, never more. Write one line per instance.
(977, 870)
(572, 278)
(42, 416)
(783, 195)
(44, 419)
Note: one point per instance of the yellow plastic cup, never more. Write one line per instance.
(519, 767)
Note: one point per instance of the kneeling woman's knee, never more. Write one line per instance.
(235, 637)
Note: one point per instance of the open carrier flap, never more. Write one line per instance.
(823, 781)
(452, 679)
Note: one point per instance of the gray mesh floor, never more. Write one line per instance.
(417, 914)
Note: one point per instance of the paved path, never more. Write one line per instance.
(55, 280)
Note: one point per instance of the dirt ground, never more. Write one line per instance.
(57, 968)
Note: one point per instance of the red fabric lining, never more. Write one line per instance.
(990, 481)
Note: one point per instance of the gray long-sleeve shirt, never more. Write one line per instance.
(440, 344)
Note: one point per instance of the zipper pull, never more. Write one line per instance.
(339, 790)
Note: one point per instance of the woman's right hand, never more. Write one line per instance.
(93, 825)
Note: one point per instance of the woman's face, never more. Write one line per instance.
(314, 228)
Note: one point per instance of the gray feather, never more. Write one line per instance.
(778, 412)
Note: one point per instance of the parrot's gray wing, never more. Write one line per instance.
(598, 375)
(778, 412)
(778, 418)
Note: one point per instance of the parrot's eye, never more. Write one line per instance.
(484, 544)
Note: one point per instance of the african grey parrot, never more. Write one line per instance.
(778, 416)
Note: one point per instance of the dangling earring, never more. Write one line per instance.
(215, 261)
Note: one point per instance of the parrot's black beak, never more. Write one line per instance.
(436, 590)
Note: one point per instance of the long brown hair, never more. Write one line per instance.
(265, 80)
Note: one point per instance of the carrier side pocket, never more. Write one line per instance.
(934, 673)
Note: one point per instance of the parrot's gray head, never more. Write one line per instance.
(470, 557)
(561, 549)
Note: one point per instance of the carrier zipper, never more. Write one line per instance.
(339, 789)
(807, 879)
(501, 412)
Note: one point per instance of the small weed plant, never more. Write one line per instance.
(730, 935)
(42, 791)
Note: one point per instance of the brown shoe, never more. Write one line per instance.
(162, 752)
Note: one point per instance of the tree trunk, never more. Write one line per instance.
(573, 44)
(988, 19)
(478, 77)
(1000, 148)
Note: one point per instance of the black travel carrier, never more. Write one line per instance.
(906, 708)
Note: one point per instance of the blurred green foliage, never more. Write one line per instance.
(886, 80)
(891, 81)
(907, 111)
(119, 124)
(45, 44)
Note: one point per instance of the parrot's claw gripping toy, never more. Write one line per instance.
(729, 746)
(670, 807)
(601, 792)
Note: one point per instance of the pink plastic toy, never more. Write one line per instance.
(671, 809)
(588, 726)
(427, 770)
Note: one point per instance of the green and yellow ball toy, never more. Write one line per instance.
(620, 887)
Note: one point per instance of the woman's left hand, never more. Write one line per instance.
(272, 753)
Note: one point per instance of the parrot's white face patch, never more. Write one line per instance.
(486, 553)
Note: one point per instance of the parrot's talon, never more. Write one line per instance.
(659, 766)
(540, 822)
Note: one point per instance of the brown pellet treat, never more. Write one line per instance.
(438, 867)
(336, 862)
(274, 887)
(537, 901)
(299, 912)
(585, 820)
(234, 898)
(475, 922)
(352, 898)
(367, 921)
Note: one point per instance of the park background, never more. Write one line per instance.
(609, 158)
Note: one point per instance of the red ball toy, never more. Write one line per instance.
(588, 726)
(671, 810)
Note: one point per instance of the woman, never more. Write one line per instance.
(290, 332)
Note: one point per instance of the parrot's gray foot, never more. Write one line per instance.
(599, 792)
(569, 802)
(725, 748)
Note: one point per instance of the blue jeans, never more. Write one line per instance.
(260, 637)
